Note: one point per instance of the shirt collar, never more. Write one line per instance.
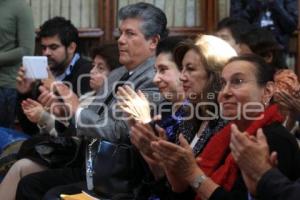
(69, 68)
(150, 59)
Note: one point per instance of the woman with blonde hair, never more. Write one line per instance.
(201, 62)
(245, 100)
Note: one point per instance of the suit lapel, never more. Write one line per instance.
(147, 65)
(113, 79)
(106, 89)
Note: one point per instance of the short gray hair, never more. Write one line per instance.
(154, 20)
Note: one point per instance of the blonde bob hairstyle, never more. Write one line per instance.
(214, 53)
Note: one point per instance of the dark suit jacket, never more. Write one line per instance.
(82, 66)
(284, 15)
(276, 186)
(80, 74)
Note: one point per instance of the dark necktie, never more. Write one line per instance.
(121, 82)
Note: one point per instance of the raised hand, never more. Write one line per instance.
(67, 98)
(134, 104)
(141, 136)
(252, 155)
(48, 83)
(32, 109)
(287, 100)
(46, 98)
(24, 85)
(177, 160)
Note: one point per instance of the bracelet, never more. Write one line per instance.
(199, 179)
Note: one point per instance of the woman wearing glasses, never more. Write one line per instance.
(246, 100)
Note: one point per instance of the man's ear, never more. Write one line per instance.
(268, 92)
(154, 42)
(72, 48)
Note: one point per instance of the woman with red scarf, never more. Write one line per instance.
(245, 100)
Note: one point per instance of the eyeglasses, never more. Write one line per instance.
(234, 83)
(52, 47)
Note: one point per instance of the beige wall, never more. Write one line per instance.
(83, 13)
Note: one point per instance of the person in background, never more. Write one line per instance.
(262, 42)
(105, 59)
(16, 40)
(279, 16)
(230, 29)
(287, 93)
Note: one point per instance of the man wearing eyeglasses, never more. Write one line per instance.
(59, 42)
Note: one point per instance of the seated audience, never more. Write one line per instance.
(104, 61)
(201, 63)
(167, 80)
(141, 27)
(246, 100)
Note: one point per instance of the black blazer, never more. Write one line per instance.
(274, 185)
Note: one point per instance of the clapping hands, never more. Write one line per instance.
(135, 104)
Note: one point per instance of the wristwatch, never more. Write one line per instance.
(199, 179)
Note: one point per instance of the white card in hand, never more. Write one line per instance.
(36, 67)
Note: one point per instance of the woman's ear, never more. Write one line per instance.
(268, 92)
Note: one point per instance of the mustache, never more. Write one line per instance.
(50, 60)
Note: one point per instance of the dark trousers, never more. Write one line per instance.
(35, 186)
(8, 98)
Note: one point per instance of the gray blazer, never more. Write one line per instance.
(109, 124)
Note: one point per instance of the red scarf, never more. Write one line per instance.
(217, 161)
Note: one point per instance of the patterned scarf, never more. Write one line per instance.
(171, 122)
